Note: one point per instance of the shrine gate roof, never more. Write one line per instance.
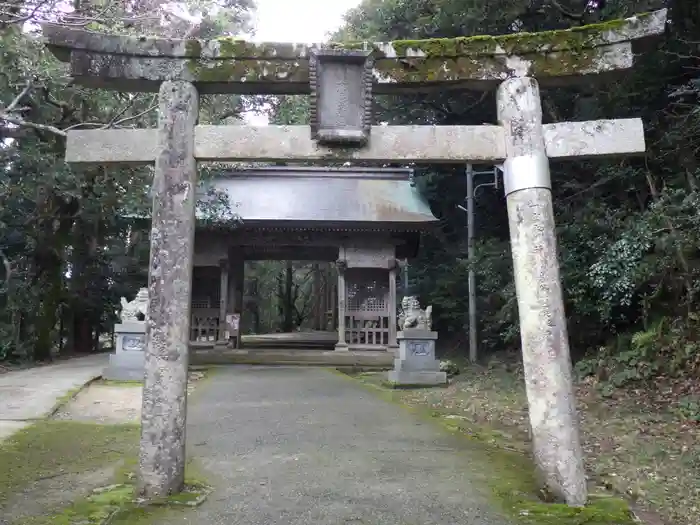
(378, 198)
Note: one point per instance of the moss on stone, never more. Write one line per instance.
(193, 48)
(213, 71)
(572, 39)
(549, 53)
(231, 47)
(415, 70)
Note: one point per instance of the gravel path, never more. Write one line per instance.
(306, 446)
(31, 394)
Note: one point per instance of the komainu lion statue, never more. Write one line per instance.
(136, 310)
(413, 317)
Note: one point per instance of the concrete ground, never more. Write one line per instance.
(301, 446)
(32, 394)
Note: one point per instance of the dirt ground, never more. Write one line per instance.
(108, 402)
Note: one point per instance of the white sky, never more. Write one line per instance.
(301, 21)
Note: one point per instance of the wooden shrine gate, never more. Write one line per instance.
(341, 79)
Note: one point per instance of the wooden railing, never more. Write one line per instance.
(205, 325)
(367, 329)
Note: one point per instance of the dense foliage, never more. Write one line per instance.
(68, 248)
(628, 227)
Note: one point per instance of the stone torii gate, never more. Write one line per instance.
(341, 79)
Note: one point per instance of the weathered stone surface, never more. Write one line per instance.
(340, 111)
(230, 66)
(136, 310)
(127, 363)
(412, 317)
(594, 138)
(415, 364)
(543, 332)
(409, 143)
(130, 73)
(427, 144)
(391, 75)
(592, 35)
(162, 453)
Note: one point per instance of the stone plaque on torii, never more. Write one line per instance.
(341, 79)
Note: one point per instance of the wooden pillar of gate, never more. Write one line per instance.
(323, 297)
(342, 305)
(332, 298)
(393, 271)
(236, 290)
(223, 334)
(317, 312)
(162, 450)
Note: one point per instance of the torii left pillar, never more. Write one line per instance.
(164, 414)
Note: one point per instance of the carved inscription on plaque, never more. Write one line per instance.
(341, 96)
(419, 348)
(133, 343)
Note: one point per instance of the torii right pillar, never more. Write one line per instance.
(544, 338)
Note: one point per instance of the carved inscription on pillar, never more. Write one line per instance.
(341, 96)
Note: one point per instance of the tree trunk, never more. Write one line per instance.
(85, 244)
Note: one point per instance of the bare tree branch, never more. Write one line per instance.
(26, 124)
(565, 12)
(27, 88)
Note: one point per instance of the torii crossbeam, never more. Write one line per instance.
(341, 79)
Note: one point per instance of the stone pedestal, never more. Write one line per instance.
(416, 364)
(127, 364)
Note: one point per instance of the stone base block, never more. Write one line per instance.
(125, 366)
(417, 378)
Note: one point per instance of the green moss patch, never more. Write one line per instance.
(113, 382)
(56, 448)
(70, 450)
(67, 398)
(117, 504)
(590, 35)
(406, 386)
(502, 464)
(568, 52)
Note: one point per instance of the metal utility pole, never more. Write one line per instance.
(470, 258)
(471, 192)
(405, 276)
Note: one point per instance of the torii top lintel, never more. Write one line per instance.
(225, 65)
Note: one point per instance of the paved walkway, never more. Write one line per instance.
(31, 394)
(303, 446)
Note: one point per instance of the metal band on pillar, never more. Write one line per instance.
(526, 171)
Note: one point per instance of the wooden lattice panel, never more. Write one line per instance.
(206, 287)
(367, 290)
(367, 313)
(204, 326)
